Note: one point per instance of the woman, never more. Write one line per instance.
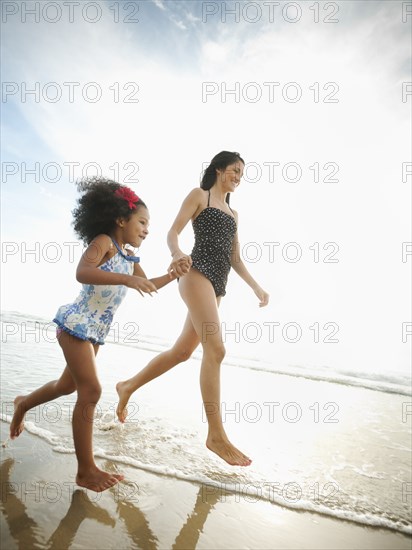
(203, 277)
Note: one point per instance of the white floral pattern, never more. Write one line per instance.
(89, 317)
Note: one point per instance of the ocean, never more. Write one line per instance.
(333, 442)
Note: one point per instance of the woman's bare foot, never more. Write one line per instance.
(97, 480)
(124, 396)
(17, 422)
(228, 452)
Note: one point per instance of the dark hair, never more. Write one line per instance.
(219, 162)
(98, 208)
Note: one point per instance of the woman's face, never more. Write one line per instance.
(230, 177)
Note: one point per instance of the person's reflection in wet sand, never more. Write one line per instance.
(27, 533)
(189, 534)
(81, 508)
(23, 528)
(139, 529)
(137, 525)
(126, 496)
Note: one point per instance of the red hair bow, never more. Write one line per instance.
(128, 195)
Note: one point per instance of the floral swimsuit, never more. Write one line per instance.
(90, 316)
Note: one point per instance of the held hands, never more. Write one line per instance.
(262, 295)
(141, 285)
(180, 265)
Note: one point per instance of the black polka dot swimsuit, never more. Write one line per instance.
(211, 255)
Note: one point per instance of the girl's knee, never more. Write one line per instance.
(90, 392)
(65, 388)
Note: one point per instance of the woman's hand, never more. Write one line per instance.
(180, 265)
(262, 295)
(141, 285)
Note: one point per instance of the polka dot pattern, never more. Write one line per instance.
(214, 232)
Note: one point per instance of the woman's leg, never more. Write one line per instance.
(180, 352)
(80, 358)
(198, 294)
(52, 390)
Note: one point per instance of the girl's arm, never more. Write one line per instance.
(159, 282)
(241, 270)
(88, 273)
(190, 206)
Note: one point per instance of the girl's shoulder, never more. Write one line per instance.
(103, 238)
(103, 242)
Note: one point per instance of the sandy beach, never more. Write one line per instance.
(331, 462)
(43, 508)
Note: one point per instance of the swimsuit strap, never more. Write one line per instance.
(208, 201)
(134, 259)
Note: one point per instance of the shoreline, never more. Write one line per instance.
(152, 344)
(43, 507)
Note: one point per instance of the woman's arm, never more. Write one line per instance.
(88, 273)
(181, 262)
(241, 270)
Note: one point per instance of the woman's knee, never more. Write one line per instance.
(214, 352)
(182, 353)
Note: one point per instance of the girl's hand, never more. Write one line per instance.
(141, 285)
(262, 295)
(180, 265)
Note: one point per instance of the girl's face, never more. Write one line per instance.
(230, 177)
(135, 229)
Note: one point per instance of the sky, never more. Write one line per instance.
(314, 96)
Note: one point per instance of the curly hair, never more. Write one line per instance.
(219, 162)
(98, 208)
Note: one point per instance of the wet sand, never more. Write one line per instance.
(43, 508)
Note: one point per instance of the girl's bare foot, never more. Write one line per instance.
(97, 480)
(17, 422)
(228, 452)
(124, 395)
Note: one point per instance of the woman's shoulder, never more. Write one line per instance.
(195, 197)
(197, 192)
(235, 214)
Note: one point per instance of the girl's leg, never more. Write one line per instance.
(180, 352)
(198, 294)
(80, 358)
(52, 390)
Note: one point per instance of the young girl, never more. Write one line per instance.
(216, 250)
(108, 217)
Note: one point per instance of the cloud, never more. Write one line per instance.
(170, 132)
(160, 4)
(192, 18)
(173, 13)
(178, 22)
